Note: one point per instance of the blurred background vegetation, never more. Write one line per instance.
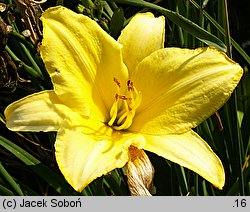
(27, 163)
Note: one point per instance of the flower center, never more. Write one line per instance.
(123, 109)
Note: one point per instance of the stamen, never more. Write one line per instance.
(122, 97)
(121, 119)
(118, 82)
(122, 115)
(113, 113)
(130, 85)
(127, 123)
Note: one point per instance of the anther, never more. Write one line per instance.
(122, 97)
(118, 82)
(122, 113)
(130, 85)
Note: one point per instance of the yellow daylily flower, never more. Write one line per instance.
(109, 96)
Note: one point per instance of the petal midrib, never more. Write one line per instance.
(178, 86)
(75, 47)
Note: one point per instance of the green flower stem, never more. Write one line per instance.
(105, 26)
(23, 40)
(5, 191)
(227, 30)
(181, 176)
(32, 61)
(88, 3)
(115, 183)
(236, 130)
(180, 31)
(201, 24)
(221, 19)
(237, 138)
(29, 69)
(108, 10)
(204, 188)
(107, 15)
(113, 5)
(10, 180)
(87, 192)
(196, 185)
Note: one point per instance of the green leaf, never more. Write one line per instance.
(116, 23)
(235, 189)
(5, 191)
(181, 176)
(222, 31)
(114, 182)
(54, 180)
(181, 21)
(245, 129)
(10, 180)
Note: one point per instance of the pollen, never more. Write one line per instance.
(124, 107)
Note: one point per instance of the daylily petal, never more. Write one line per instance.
(190, 151)
(87, 149)
(41, 111)
(143, 35)
(181, 88)
(82, 60)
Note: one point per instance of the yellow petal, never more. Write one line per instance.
(87, 149)
(190, 151)
(143, 35)
(181, 87)
(82, 60)
(41, 111)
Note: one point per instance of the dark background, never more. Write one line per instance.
(239, 15)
